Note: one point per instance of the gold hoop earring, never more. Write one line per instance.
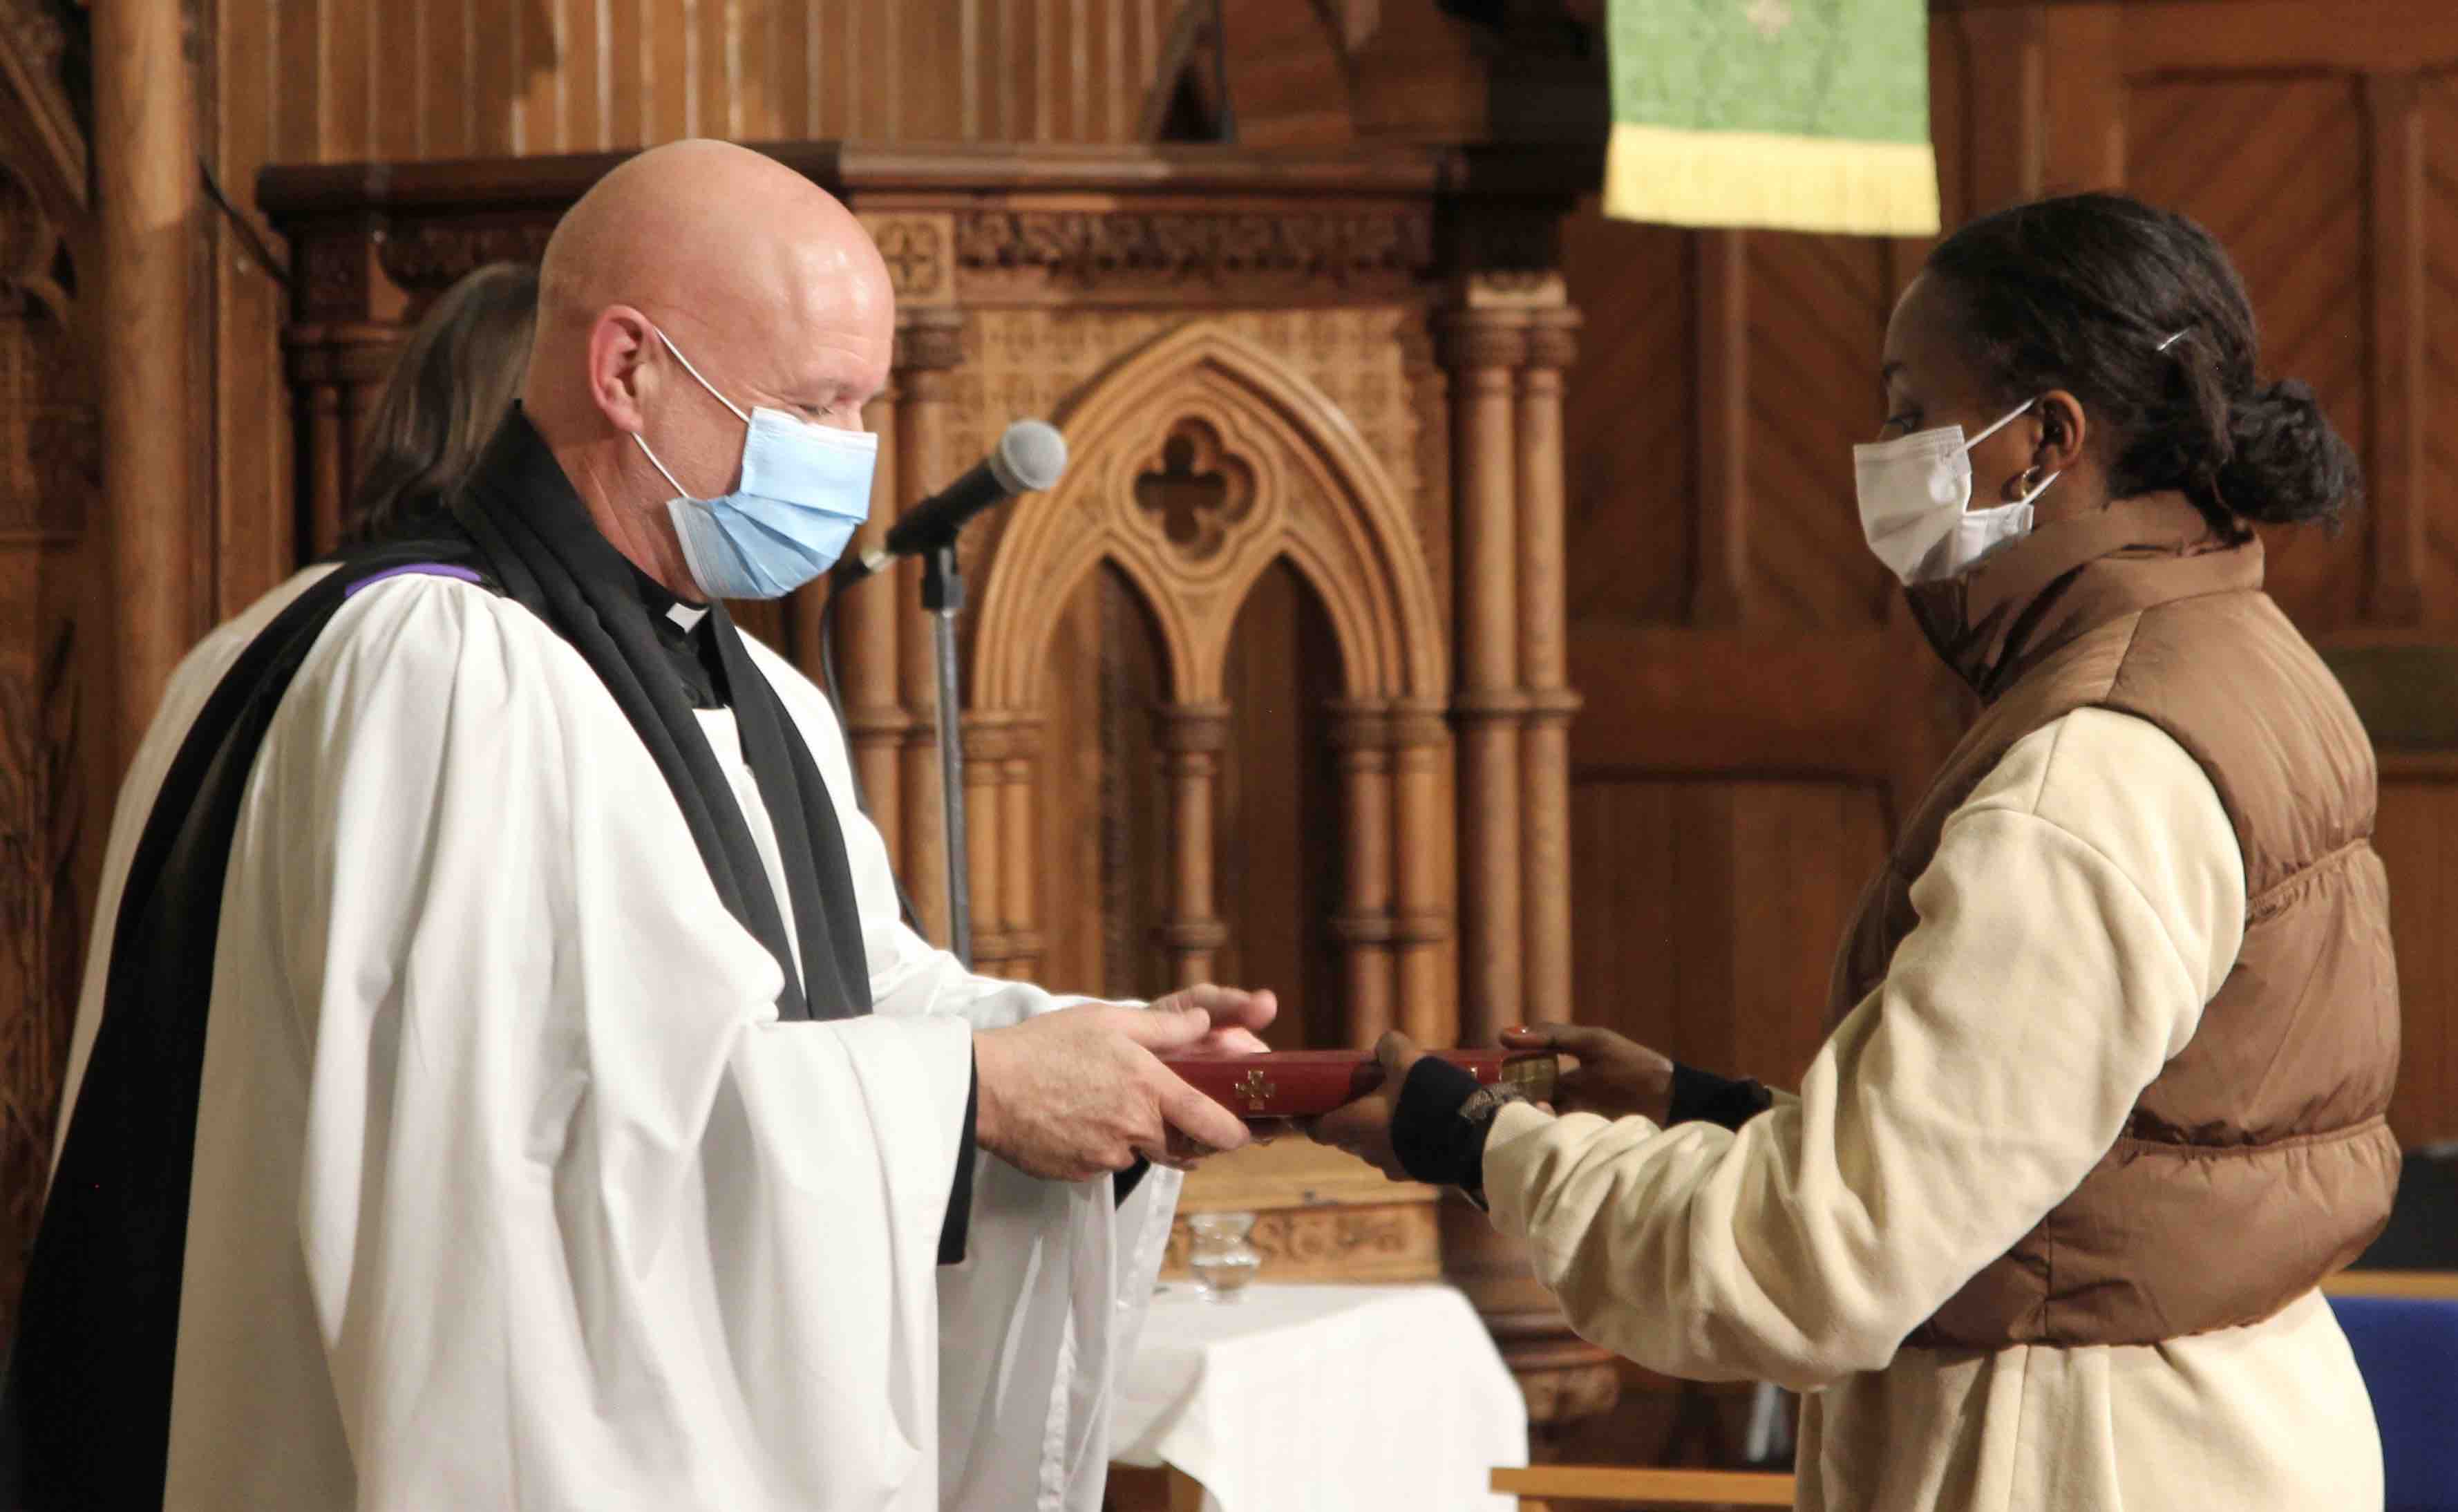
(2029, 482)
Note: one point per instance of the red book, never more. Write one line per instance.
(1302, 1083)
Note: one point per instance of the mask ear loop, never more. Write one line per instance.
(695, 378)
(2004, 421)
(681, 492)
(2010, 416)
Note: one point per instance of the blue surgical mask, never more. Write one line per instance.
(805, 489)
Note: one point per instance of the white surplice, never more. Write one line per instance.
(511, 1191)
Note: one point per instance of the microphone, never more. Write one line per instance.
(1030, 456)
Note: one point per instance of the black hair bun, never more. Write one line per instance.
(2286, 461)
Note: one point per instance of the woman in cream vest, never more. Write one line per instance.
(2114, 1031)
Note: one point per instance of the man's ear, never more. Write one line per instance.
(2064, 432)
(620, 349)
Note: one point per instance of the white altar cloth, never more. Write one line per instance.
(1322, 1399)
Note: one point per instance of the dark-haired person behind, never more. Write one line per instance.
(455, 380)
(2114, 1031)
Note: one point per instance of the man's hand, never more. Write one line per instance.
(1072, 1094)
(1363, 1128)
(1616, 1076)
(1237, 1017)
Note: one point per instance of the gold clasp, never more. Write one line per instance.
(1256, 1091)
(1538, 1075)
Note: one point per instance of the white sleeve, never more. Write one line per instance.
(2082, 907)
(1042, 1313)
(907, 973)
(580, 1217)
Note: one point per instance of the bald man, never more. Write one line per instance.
(502, 1078)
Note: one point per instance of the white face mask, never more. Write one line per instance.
(1916, 503)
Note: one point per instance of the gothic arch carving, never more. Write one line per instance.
(1295, 480)
(1198, 460)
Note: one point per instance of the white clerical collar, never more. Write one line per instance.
(688, 615)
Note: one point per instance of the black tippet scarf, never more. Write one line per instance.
(85, 1417)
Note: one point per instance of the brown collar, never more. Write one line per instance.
(1998, 621)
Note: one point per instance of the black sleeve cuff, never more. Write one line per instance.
(1703, 1097)
(1433, 1142)
(959, 1221)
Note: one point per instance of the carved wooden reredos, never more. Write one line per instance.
(1290, 478)
(1340, 368)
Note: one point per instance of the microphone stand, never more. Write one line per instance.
(942, 598)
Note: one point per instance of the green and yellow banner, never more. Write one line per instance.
(1787, 115)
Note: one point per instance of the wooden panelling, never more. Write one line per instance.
(454, 78)
(2418, 840)
(1629, 502)
(1725, 899)
(1102, 819)
(2395, 194)
(1288, 84)
(297, 81)
(51, 808)
(1279, 847)
(1817, 316)
(2437, 485)
(2290, 208)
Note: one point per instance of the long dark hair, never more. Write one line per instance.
(456, 376)
(2139, 313)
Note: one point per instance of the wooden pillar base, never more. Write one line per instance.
(1191, 736)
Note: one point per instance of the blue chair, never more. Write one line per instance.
(2406, 1347)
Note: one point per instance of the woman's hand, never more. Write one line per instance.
(1616, 1076)
(1363, 1128)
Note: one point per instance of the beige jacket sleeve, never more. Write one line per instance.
(2082, 907)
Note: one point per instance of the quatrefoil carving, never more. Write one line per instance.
(1195, 490)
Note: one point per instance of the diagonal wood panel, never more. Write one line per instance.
(1628, 412)
(2274, 167)
(1818, 309)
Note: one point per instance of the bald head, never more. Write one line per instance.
(759, 276)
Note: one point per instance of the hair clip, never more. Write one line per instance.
(2172, 340)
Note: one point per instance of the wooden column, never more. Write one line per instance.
(1424, 875)
(986, 745)
(929, 345)
(328, 448)
(1361, 733)
(359, 398)
(1189, 737)
(1483, 349)
(145, 171)
(1016, 881)
(342, 369)
(2399, 373)
(1545, 741)
(867, 659)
